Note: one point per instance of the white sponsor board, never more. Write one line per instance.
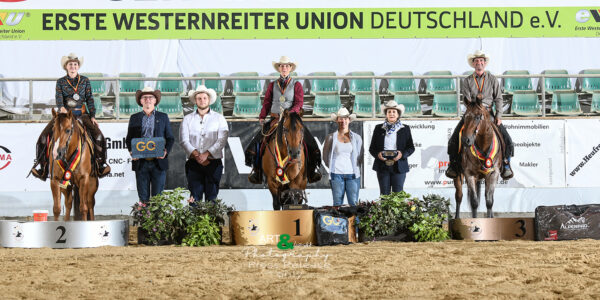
(538, 161)
(583, 152)
(20, 138)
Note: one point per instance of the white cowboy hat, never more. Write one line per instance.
(284, 60)
(343, 113)
(212, 95)
(72, 56)
(475, 55)
(392, 104)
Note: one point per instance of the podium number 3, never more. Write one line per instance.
(62, 233)
(522, 227)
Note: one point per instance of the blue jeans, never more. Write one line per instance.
(344, 183)
(149, 177)
(203, 181)
(388, 179)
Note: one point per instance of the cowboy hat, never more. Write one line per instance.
(392, 104)
(343, 113)
(475, 55)
(284, 60)
(212, 95)
(71, 57)
(147, 91)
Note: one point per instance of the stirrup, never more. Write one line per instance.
(39, 173)
(103, 171)
(314, 177)
(255, 177)
(507, 173)
(451, 171)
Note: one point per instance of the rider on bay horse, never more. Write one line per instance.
(284, 93)
(74, 93)
(484, 86)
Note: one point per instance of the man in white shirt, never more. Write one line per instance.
(203, 135)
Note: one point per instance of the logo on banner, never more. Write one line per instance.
(584, 15)
(252, 227)
(575, 223)
(5, 157)
(103, 234)
(11, 19)
(17, 232)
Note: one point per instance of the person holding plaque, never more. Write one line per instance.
(343, 155)
(73, 93)
(146, 128)
(203, 135)
(285, 93)
(391, 145)
(483, 86)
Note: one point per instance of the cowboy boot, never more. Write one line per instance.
(42, 161)
(103, 168)
(507, 172)
(452, 171)
(313, 167)
(255, 176)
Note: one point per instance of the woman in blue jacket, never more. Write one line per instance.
(391, 145)
(342, 154)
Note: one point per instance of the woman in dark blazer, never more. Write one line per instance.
(391, 145)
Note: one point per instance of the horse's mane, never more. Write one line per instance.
(294, 119)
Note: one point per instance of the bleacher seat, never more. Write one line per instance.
(444, 104)
(127, 103)
(525, 103)
(404, 92)
(216, 85)
(565, 103)
(556, 84)
(247, 96)
(590, 84)
(327, 95)
(595, 102)
(401, 85)
(363, 105)
(98, 90)
(440, 84)
(171, 92)
(411, 102)
(360, 85)
(516, 84)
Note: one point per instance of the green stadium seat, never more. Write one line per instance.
(590, 84)
(326, 103)
(556, 84)
(246, 85)
(565, 103)
(517, 84)
(216, 85)
(595, 102)
(444, 104)
(525, 103)
(171, 92)
(98, 90)
(363, 104)
(247, 105)
(360, 85)
(401, 85)
(323, 85)
(127, 103)
(411, 102)
(437, 85)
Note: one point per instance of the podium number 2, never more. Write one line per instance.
(297, 221)
(62, 233)
(522, 227)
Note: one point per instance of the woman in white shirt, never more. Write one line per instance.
(343, 155)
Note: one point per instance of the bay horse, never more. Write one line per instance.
(283, 161)
(71, 167)
(481, 158)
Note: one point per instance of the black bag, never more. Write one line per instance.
(567, 222)
(331, 227)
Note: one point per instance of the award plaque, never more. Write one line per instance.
(389, 156)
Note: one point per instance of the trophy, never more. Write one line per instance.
(389, 156)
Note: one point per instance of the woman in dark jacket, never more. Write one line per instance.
(391, 145)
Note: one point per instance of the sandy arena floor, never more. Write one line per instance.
(377, 270)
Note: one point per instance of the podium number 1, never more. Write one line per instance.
(297, 221)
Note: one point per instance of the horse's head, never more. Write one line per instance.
(475, 116)
(64, 125)
(292, 134)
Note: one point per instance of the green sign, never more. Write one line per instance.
(300, 23)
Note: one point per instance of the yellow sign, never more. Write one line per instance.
(141, 146)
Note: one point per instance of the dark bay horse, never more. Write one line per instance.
(481, 155)
(71, 167)
(283, 160)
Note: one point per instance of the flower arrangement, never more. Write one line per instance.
(167, 219)
(400, 213)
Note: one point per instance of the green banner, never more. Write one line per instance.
(300, 23)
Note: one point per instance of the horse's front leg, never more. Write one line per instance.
(490, 186)
(458, 194)
(68, 202)
(56, 197)
(472, 192)
(274, 189)
(83, 198)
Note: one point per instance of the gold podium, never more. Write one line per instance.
(492, 229)
(265, 227)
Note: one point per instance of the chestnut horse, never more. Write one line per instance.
(285, 154)
(71, 167)
(481, 158)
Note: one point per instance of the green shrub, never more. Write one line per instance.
(429, 229)
(204, 232)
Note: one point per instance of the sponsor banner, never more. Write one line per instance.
(583, 152)
(538, 161)
(298, 23)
